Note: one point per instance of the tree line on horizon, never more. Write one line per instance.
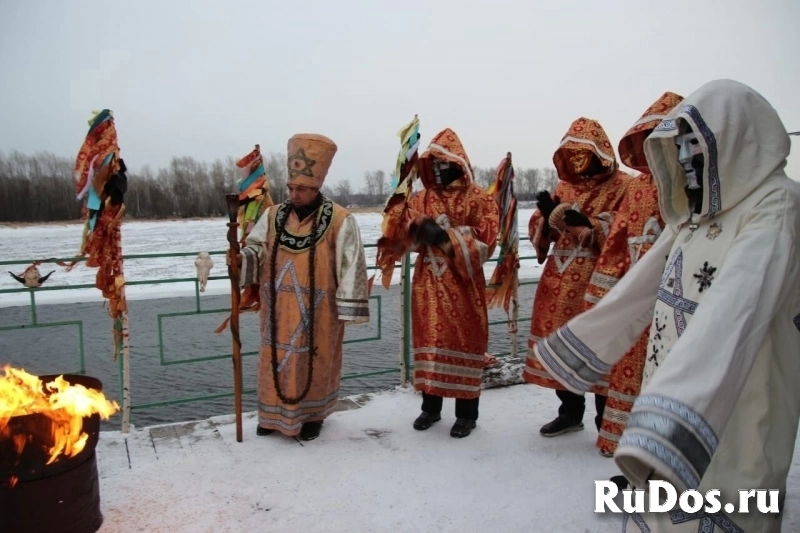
(40, 187)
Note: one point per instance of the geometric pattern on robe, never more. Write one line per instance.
(339, 298)
(719, 404)
(562, 285)
(636, 227)
(450, 324)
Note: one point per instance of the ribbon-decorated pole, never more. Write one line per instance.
(504, 284)
(232, 201)
(395, 243)
(101, 183)
(254, 196)
(253, 199)
(391, 245)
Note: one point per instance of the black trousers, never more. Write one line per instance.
(574, 405)
(464, 408)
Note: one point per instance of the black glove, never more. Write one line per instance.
(431, 233)
(546, 204)
(117, 185)
(574, 218)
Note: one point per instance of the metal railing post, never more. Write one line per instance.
(405, 321)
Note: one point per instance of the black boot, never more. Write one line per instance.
(310, 430)
(462, 428)
(426, 420)
(559, 426)
(600, 405)
(263, 431)
(621, 482)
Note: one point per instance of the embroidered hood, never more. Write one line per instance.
(585, 134)
(743, 140)
(631, 146)
(445, 145)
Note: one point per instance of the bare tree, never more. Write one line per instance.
(369, 184)
(529, 180)
(342, 192)
(41, 187)
(277, 172)
(327, 192)
(375, 187)
(483, 176)
(549, 179)
(381, 186)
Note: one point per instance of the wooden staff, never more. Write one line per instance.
(513, 326)
(232, 201)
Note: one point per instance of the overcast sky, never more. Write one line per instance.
(210, 79)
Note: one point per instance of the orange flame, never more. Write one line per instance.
(64, 404)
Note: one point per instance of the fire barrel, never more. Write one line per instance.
(36, 497)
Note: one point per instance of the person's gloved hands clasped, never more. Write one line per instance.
(575, 218)
(546, 203)
(430, 233)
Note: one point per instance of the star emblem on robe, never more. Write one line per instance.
(674, 297)
(305, 325)
(300, 164)
(705, 276)
(713, 231)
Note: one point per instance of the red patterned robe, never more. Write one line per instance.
(636, 227)
(560, 294)
(450, 324)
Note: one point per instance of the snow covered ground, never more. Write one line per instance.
(63, 241)
(369, 471)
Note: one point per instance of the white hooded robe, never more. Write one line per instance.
(720, 399)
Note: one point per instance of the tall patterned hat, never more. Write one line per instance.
(309, 158)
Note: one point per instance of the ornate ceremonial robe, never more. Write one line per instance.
(561, 289)
(719, 405)
(637, 225)
(339, 297)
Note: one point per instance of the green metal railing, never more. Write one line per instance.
(405, 333)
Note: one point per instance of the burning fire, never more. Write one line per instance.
(64, 404)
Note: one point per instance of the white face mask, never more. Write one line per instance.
(690, 156)
(445, 172)
(440, 167)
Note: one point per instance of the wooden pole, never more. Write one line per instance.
(232, 201)
(513, 325)
(126, 369)
(405, 312)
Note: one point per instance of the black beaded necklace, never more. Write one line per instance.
(312, 350)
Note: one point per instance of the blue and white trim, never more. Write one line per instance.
(674, 434)
(570, 361)
(712, 169)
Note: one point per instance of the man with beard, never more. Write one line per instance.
(308, 258)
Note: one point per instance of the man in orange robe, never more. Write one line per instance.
(577, 218)
(637, 225)
(454, 231)
(307, 256)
